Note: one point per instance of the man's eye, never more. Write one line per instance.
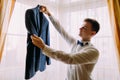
(84, 27)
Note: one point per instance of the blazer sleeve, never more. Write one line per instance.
(61, 30)
(30, 22)
(88, 56)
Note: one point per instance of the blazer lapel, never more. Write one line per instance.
(37, 19)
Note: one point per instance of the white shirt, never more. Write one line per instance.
(81, 60)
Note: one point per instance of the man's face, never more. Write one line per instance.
(86, 31)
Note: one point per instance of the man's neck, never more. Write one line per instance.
(85, 40)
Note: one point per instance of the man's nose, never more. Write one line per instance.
(80, 28)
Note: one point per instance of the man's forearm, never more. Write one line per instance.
(90, 56)
(49, 14)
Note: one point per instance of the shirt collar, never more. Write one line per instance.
(83, 43)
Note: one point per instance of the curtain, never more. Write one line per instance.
(114, 11)
(6, 8)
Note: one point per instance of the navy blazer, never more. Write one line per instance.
(36, 23)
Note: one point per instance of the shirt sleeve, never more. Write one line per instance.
(61, 30)
(88, 56)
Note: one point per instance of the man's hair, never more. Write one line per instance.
(95, 24)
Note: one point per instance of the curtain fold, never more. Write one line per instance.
(6, 9)
(114, 11)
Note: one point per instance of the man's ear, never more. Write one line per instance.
(93, 33)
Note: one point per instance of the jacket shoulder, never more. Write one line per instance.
(29, 11)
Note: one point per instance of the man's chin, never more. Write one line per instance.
(80, 35)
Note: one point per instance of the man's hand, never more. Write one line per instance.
(37, 41)
(45, 10)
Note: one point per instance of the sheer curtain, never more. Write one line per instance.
(70, 13)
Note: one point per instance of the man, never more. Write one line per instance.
(83, 56)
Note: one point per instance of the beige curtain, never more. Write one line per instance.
(114, 11)
(6, 8)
